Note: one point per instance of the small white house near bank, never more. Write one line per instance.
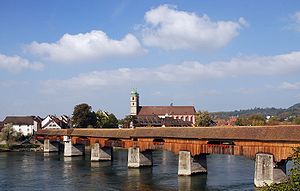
(26, 125)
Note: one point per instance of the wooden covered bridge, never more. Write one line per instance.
(270, 146)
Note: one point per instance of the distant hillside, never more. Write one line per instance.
(279, 112)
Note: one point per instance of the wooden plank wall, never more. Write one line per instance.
(280, 150)
(249, 149)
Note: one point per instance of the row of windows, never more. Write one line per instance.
(184, 118)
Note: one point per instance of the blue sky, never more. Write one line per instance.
(215, 55)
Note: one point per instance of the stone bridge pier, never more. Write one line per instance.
(188, 165)
(99, 154)
(138, 159)
(51, 146)
(267, 171)
(72, 149)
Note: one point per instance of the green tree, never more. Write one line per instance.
(9, 135)
(251, 120)
(111, 122)
(203, 119)
(102, 118)
(242, 121)
(83, 116)
(129, 118)
(297, 120)
(106, 120)
(293, 181)
(273, 121)
(257, 120)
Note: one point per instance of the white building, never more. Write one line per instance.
(26, 125)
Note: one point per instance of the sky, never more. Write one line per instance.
(214, 55)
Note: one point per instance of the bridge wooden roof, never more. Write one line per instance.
(278, 133)
(265, 133)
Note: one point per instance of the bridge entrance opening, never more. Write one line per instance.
(220, 143)
(113, 142)
(221, 147)
(83, 140)
(158, 143)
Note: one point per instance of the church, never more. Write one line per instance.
(161, 115)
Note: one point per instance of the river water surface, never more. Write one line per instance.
(36, 171)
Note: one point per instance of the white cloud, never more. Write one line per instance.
(171, 29)
(296, 18)
(290, 86)
(16, 64)
(7, 83)
(96, 79)
(294, 22)
(184, 72)
(211, 92)
(88, 46)
(246, 91)
(266, 65)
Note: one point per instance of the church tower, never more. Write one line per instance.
(134, 102)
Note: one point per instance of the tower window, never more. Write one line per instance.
(132, 98)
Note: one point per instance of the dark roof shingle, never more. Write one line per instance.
(19, 120)
(162, 110)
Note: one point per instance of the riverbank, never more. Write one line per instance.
(20, 148)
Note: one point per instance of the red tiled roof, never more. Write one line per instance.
(162, 110)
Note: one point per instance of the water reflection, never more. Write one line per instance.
(100, 164)
(53, 171)
(186, 183)
(234, 172)
(74, 158)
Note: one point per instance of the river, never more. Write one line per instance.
(22, 171)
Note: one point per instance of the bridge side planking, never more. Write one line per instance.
(246, 141)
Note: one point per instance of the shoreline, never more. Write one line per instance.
(21, 148)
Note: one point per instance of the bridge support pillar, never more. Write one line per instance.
(98, 153)
(51, 146)
(188, 165)
(138, 159)
(72, 150)
(268, 172)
